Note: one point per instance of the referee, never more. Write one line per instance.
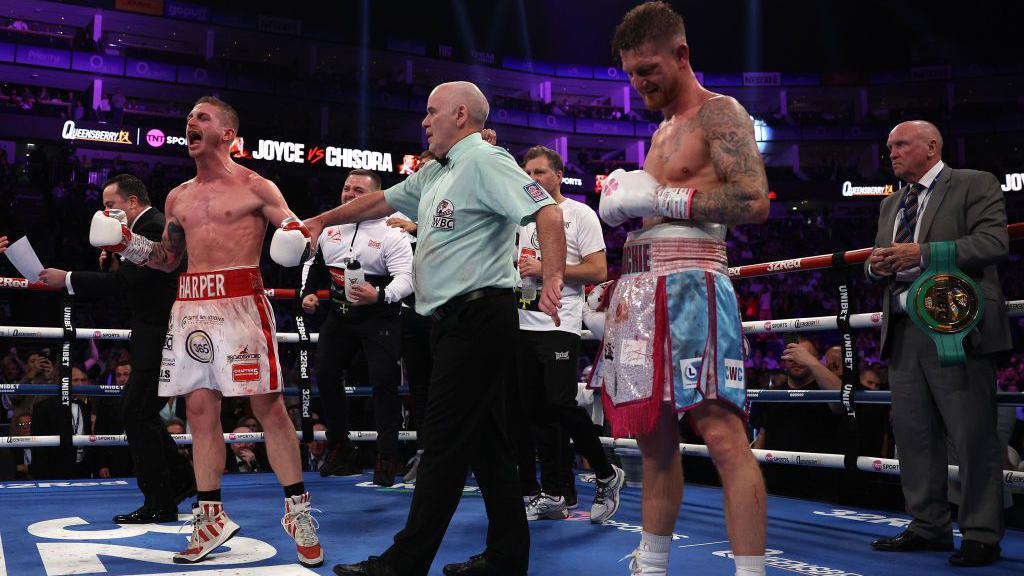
(469, 203)
(368, 318)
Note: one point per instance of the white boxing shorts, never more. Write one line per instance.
(221, 336)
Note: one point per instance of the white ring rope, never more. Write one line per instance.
(625, 446)
(1014, 309)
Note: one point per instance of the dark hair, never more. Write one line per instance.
(373, 176)
(230, 114)
(554, 158)
(654, 22)
(128, 185)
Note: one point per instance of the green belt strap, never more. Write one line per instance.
(945, 303)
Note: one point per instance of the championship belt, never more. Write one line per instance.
(945, 303)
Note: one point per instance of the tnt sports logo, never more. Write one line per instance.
(876, 317)
(767, 326)
(444, 215)
(535, 192)
(880, 466)
(199, 346)
(155, 138)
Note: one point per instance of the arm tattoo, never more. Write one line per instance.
(741, 197)
(168, 253)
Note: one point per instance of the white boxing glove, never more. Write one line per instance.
(626, 195)
(109, 231)
(636, 194)
(594, 311)
(596, 297)
(290, 244)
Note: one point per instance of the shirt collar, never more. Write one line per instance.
(460, 147)
(132, 226)
(930, 176)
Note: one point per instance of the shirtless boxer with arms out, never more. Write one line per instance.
(673, 339)
(221, 340)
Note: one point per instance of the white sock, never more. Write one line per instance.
(749, 565)
(654, 543)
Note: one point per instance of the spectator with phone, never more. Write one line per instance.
(799, 426)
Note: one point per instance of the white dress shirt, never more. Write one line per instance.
(928, 181)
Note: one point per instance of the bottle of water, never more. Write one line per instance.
(529, 288)
(353, 275)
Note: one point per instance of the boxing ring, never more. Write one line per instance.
(64, 527)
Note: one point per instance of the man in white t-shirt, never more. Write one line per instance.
(546, 360)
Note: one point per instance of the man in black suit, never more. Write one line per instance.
(164, 476)
(929, 401)
(48, 419)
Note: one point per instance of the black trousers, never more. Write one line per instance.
(465, 428)
(418, 364)
(339, 341)
(547, 378)
(159, 467)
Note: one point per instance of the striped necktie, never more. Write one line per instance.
(908, 224)
(905, 233)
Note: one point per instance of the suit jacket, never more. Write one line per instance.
(48, 463)
(149, 294)
(968, 207)
(108, 421)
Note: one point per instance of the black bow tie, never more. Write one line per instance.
(443, 161)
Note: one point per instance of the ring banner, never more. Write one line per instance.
(305, 388)
(68, 325)
(851, 376)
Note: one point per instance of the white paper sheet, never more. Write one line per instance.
(24, 258)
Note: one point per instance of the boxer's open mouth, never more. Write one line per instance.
(194, 137)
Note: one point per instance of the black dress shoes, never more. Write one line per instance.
(973, 553)
(909, 541)
(478, 565)
(146, 515)
(372, 566)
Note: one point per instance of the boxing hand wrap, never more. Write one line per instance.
(636, 194)
(290, 244)
(675, 202)
(109, 231)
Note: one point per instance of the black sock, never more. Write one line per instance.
(208, 495)
(297, 489)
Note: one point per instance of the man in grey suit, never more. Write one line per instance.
(929, 401)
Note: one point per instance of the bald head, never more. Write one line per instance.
(924, 130)
(914, 148)
(454, 110)
(466, 94)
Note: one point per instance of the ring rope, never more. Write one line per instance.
(625, 446)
